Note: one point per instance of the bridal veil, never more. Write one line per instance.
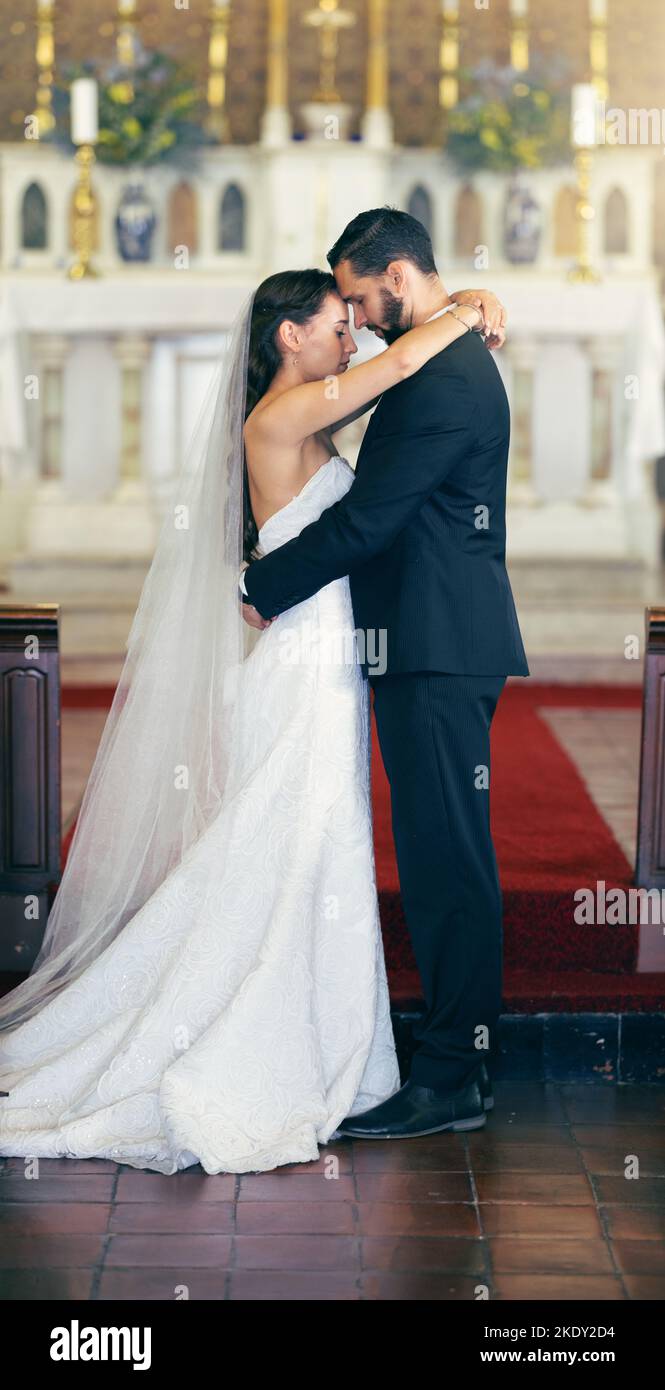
(159, 774)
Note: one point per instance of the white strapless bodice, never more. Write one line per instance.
(330, 482)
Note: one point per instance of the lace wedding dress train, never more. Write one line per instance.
(243, 1011)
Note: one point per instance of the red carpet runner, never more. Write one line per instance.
(550, 841)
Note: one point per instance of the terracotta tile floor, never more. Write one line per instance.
(534, 1206)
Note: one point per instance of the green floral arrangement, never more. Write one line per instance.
(514, 120)
(152, 113)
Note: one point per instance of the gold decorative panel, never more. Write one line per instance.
(86, 28)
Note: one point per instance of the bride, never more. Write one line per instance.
(211, 986)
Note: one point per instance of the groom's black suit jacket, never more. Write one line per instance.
(421, 532)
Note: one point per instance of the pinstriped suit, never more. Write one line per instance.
(421, 534)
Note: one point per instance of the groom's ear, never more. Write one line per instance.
(398, 276)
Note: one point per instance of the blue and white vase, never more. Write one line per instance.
(135, 223)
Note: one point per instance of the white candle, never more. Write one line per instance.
(584, 115)
(598, 9)
(451, 7)
(84, 123)
(519, 9)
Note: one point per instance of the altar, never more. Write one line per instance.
(102, 376)
(87, 460)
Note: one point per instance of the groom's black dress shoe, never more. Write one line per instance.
(415, 1110)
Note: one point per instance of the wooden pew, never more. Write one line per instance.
(29, 778)
(650, 859)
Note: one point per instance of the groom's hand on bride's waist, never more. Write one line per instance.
(249, 612)
(253, 617)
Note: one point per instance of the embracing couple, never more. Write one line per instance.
(229, 1005)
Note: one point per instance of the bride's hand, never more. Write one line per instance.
(493, 311)
(253, 617)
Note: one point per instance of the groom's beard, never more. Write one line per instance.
(394, 318)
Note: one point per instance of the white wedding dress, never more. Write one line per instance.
(243, 1011)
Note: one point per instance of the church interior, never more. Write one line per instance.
(157, 161)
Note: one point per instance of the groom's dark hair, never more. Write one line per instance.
(375, 238)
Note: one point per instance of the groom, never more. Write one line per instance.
(421, 534)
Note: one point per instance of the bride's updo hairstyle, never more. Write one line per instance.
(297, 295)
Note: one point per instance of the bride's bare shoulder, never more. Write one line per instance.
(259, 420)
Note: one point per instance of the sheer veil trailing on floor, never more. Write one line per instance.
(160, 769)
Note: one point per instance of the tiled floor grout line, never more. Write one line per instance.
(233, 1249)
(590, 1179)
(355, 1210)
(98, 1271)
(604, 1228)
(484, 1242)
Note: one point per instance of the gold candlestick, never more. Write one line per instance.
(583, 273)
(584, 134)
(83, 216)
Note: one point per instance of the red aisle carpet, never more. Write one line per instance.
(550, 841)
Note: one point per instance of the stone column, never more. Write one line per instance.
(132, 352)
(51, 351)
(602, 353)
(522, 356)
(94, 529)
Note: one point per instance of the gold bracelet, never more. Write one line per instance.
(459, 320)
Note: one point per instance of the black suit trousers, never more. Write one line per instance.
(434, 735)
